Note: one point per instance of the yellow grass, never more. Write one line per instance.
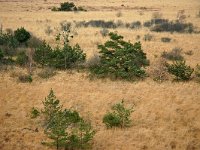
(166, 115)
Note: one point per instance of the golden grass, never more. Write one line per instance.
(166, 115)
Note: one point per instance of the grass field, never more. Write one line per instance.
(166, 114)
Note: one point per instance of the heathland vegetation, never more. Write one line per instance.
(141, 86)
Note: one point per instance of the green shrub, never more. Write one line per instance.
(43, 54)
(180, 70)
(119, 117)
(22, 58)
(120, 59)
(174, 54)
(34, 113)
(65, 128)
(67, 57)
(25, 78)
(62, 58)
(9, 42)
(22, 35)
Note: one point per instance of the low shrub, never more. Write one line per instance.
(119, 117)
(173, 26)
(197, 72)
(175, 54)
(180, 70)
(68, 6)
(22, 58)
(34, 42)
(93, 61)
(119, 14)
(147, 24)
(160, 72)
(148, 37)
(104, 32)
(34, 113)
(198, 14)
(135, 25)
(48, 31)
(190, 52)
(47, 73)
(165, 39)
(25, 78)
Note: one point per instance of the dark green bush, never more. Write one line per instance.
(68, 6)
(120, 59)
(1, 55)
(119, 117)
(22, 58)
(180, 70)
(22, 35)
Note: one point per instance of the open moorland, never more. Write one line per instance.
(166, 111)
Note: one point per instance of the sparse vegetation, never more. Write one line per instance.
(104, 32)
(189, 52)
(22, 58)
(165, 39)
(173, 26)
(160, 72)
(175, 54)
(48, 30)
(148, 37)
(47, 73)
(120, 59)
(180, 70)
(166, 112)
(24, 78)
(119, 117)
(197, 72)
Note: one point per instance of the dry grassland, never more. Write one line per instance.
(166, 116)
